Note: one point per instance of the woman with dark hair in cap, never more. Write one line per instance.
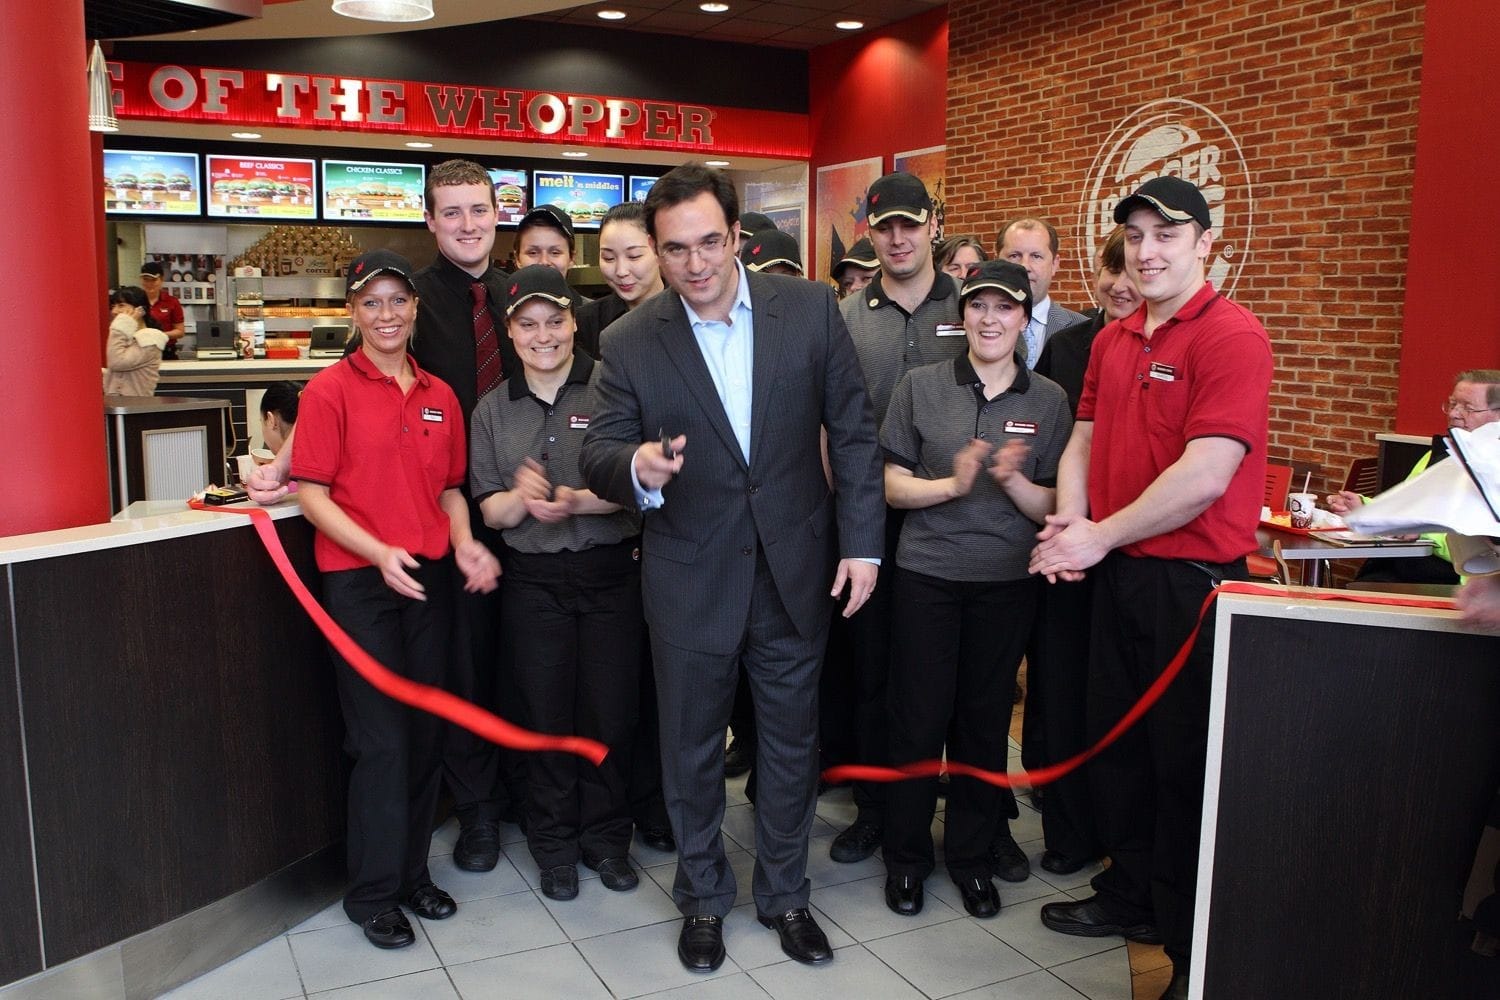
(857, 268)
(379, 461)
(972, 447)
(630, 268)
(133, 352)
(571, 608)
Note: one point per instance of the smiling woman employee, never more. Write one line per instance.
(971, 448)
(630, 269)
(379, 459)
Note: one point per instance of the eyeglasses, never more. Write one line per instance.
(1451, 404)
(710, 248)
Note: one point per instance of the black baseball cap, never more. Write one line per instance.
(760, 250)
(153, 268)
(1002, 275)
(549, 215)
(1174, 199)
(898, 194)
(372, 264)
(862, 254)
(537, 281)
(754, 222)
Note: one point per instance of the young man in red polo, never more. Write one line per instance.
(1159, 494)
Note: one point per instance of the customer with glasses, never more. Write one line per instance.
(1474, 402)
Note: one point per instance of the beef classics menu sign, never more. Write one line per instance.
(340, 103)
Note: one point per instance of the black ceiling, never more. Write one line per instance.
(128, 18)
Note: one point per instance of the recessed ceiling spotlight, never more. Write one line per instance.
(576, 154)
(850, 25)
(716, 163)
(713, 8)
(420, 145)
(610, 15)
(245, 135)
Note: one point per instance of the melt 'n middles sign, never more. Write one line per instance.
(1179, 138)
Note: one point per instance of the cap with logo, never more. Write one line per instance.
(898, 194)
(1174, 199)
(537, 281)
(152, 268)
(372, 264)
(754, 222)
(549, 215)
(862, 254)
(764, 249)
(1005, 277)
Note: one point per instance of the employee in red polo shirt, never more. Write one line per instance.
(380, 457)
(166, 310)
(1159, 493)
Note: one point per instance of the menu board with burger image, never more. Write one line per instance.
(143, 183)
(641, 186)
(585, 197)
(510, 195)
(242, 187)
(383, 192)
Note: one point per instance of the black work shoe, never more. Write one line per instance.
(658, 838)
(431, 903)
(981, 898)
(388, 929)
(478, 847)
(700, 946)
(1060, 864)
(1007, 860)
(616, 874)
(1090, 918)
(903, 894)
(801, 937)
(739, 757)
(857, 842)
(560, 882)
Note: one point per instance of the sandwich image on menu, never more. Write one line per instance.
(387, 192)
(243, 187)
(510, 194)
(150, 183)
(585, 197)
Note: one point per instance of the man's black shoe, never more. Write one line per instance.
(431, 903)
(616, 874)
(560, 882)
(1060, 864)
(801, 937)
(1177, 989)
(1089, 918)
(388, 929)
(856, 843)
(478, 847)
(739, 757)
(1007, 860)
(981, 898)
(903, 894)
(658, 838)
(700, 946)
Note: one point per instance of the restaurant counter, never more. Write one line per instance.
(171, 787)
(240, 382)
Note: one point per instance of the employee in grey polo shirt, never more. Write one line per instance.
(972, 447)
(571, 610)
(907, 317)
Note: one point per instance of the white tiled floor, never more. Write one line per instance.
(509, 943)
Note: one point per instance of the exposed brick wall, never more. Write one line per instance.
(1322, 97)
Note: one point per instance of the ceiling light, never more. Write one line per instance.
(849, 25)
(384, 10)
(245, 135)
(576, 154)
(713, 8)
(101, 96)
(420, 145)
(716, 163)
(610, 15)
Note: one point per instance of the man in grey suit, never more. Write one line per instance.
(1033, 244)
(712, 400)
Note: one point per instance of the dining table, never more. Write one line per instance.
(1311, 552)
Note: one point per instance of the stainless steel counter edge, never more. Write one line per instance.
(244, 366)
(131, 531)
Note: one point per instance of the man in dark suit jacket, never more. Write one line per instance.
(728, 379)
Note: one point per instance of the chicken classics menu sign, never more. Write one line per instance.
(340, 103)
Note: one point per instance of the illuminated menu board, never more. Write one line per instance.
(585, 197)
(372, 192)
(510, 195)
(143, 183)
(247, 187)
(641, 186)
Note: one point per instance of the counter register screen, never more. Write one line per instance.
(585, 197)
(372, 192)
(143, 183)
(510, 195)
(243, 187)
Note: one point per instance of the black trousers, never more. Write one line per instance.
(1148, 786)
(648, 808)
(393, 785)
(1057, 673)
(573, 626)
(956, 648)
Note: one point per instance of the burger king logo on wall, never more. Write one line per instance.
(1183, 139)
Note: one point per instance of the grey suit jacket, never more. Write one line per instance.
(699, 548)
(1059, 318)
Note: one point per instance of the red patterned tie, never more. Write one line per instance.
(486, 344)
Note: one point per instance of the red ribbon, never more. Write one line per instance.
(422, 696)
(1052, 772)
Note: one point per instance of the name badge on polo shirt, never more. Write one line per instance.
(1019, 427)
(949, 330)
(1165, 373)
(432, 414)
(578, 421)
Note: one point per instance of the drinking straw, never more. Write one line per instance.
(1307, 481)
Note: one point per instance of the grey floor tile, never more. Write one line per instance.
(1105, 976)
(331, 915)
(263, 973)
(739, 824)
(741, 863)
(1037, 986)
(740, 987)
(340, 956)
(1021, 927)
(644, 960)
(646, 856)
(598, 911)
(1028, 826)
(430, 985)
(443, 838)
(949, 958)
(837, 808)
(544, 974)
(854, 972)
(859, 908)
(464, 886)
(752, 945)
(823, 870)
(496, 925)
(1078, 879)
